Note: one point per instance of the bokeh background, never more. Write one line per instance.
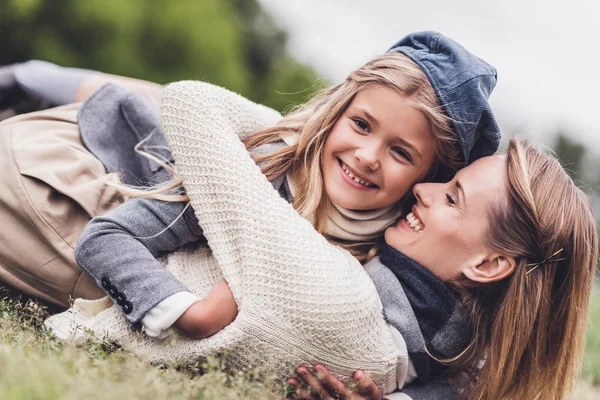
(278, 52)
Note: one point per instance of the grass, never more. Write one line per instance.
(591, 366)
(35, 366)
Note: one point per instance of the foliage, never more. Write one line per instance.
(592, 351)
(570, 153)
(232, 43)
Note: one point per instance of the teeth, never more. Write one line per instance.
(354, 178)
(414, 222)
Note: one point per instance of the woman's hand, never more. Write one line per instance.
(323, 385)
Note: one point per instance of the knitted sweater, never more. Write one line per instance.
(300, 298)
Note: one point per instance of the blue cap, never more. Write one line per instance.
(463, 84)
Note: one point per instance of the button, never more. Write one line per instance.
(113, 292)
(127, 307)
(106, 283)
(121, 299)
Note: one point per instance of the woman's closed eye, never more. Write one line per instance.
(450, 199)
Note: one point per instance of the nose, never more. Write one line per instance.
(367, 157)
(424, 193)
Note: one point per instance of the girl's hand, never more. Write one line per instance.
(323, 385)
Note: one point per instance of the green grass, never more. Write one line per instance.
(591, 367)
(35, 366)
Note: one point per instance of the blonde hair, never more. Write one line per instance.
(530, 327)
(313, 121)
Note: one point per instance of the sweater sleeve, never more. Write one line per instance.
(288, 281)
(119, 251)
(133, 270)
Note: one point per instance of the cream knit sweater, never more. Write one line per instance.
(300, 298)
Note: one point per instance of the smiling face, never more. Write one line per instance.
(446, 230)
(376, 151)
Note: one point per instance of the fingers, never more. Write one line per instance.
(333, 386)
(323, 385)
(365, 386)
(315, 390)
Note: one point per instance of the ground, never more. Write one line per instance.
(34, 366)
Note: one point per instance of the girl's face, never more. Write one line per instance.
(445, 232)
(376, 151)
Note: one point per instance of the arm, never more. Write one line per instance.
(161, 306)
(110, 250)
(62, 85)
(280, 270)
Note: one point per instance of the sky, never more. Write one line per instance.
(547, 52)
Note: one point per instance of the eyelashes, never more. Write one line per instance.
(364, 126)
(361, 124)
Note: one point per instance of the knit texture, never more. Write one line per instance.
(300, 298)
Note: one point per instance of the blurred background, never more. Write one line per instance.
(278, 52)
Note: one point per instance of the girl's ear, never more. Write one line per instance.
(492, 269)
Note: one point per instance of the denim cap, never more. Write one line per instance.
(463, 84)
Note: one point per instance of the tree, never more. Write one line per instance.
(571, 154)
(232, 43)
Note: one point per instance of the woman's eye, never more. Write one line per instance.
(450, 199)
(402, 153)
(362, 125)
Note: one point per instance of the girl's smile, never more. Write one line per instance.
(355, 179)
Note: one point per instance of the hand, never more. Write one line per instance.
(323, 385)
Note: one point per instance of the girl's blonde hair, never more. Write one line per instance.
(530, 327)
(313, 121)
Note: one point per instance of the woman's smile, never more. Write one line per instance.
(412, 222)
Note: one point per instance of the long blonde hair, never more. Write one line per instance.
(312, 122)
(530, 327)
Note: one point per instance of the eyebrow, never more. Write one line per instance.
(374, 121)
(462, 192)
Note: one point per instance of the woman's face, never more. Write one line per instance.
(445, 232)
(376, 151)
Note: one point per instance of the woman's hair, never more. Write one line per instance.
(312, 122)
(530, 327)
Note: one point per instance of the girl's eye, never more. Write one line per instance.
(450, 199)
(362, 125)
(402, 153)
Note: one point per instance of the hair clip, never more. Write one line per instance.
(546, 260)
